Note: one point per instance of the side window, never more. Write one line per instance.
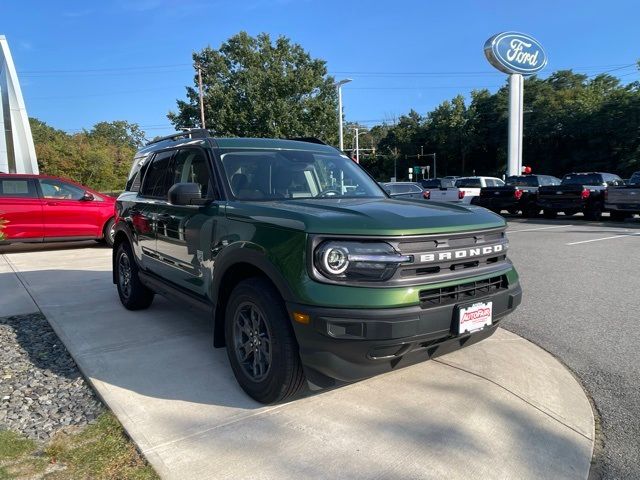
(14, 187)
(491, 182)
(155, 177)
(60, 190)
(190, 165)
(416, 189)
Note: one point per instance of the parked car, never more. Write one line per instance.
(519, 194)
(261, 234)
(404, 190)
(578, 192)
(42, 208)
(442, 189)
(471, 186)
(623, 201)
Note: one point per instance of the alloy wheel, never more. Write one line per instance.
(124, 274)
(252, 341)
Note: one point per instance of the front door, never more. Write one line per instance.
(66, 214)
(186, 234)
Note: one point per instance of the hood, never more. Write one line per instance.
(371, 216)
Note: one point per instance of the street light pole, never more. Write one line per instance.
(357, 135)
(339, 85)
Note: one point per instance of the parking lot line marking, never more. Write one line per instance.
(539, 228)
(622, 235)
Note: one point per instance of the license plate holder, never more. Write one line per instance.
(473, 317)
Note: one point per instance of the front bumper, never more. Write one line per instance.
(345, 345)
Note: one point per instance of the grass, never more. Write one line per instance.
(99, 451)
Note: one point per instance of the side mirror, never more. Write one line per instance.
(186, 194)
(87, 197)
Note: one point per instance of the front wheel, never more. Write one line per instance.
(261, 345)
(619, 216)
(133, 294)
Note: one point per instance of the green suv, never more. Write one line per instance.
(309, 270)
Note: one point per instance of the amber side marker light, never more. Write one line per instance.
(301, 318)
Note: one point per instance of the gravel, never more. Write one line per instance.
(41, 388)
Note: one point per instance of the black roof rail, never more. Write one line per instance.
(308, 140)
(186, 132)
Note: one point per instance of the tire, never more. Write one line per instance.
(513, 211)
(531, 211)
(571, 213)
(549, 213)
(619, 216)
(593, 213)
(133, 294)
(109, 232)
(267, 365)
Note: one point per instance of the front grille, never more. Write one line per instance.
(463, 292)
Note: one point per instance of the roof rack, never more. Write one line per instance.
(308, 140)
(186, 132)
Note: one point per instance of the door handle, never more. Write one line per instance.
(53, 204)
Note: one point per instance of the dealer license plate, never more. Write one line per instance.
(474, 317)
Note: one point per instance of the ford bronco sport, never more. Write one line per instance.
(310, 271)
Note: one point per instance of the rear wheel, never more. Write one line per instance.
(550, 213)
(109, 232)
(133, 294)
(531, 211)
(570, 213)
(513, 211)
(594, 212)
(261, 344)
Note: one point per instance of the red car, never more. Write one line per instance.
(41, 208)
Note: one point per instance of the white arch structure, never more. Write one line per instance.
(17, 153)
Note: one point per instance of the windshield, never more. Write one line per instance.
(585, 179)
(523, 181)
(635, 179)
(294, 174)
(468, 183)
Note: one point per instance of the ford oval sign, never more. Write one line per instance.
(513, 52)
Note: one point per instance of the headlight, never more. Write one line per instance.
(363, 261)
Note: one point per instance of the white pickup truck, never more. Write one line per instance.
(441, 190)
(471, 186)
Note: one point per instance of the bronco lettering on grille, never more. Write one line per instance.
(461, 254)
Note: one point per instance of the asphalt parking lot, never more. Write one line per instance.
(581, 303)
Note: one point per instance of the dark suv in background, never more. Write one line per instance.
(307, 267)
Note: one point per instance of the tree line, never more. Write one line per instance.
(99, 158)
(571, 123)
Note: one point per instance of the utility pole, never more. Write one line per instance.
(200, 94)
(357, 146)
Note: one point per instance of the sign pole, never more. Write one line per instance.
(515, 124)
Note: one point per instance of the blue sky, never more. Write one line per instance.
(84, 62)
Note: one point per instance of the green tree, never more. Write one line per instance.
(254, 86)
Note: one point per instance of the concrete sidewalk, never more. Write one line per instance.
(503, 408)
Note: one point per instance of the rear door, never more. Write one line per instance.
(187, 233)
(152, 197)
(21, 208)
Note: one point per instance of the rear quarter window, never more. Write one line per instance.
(14, 187)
